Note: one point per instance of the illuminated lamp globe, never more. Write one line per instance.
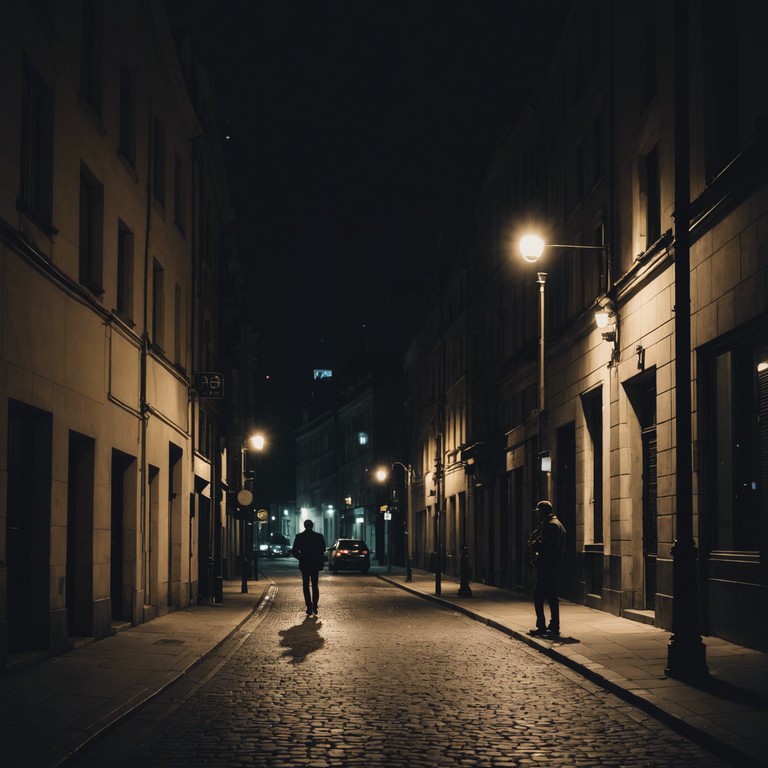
(531, 248)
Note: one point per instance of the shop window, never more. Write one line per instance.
(740, 445)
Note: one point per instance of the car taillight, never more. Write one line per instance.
(364, 552)
(343, 551)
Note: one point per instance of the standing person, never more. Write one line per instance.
(309, 549)
(547, 547)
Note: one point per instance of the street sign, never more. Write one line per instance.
(244, 498)
(262, 515)
(210, 384)
(387, 515)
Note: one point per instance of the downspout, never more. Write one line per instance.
(143, 406)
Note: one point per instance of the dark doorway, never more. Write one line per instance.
(79, 587)
(518, 512)
(647, 414)
(174, 525)
(28, 528)
(122, 464)
(565, 499)
(205, 553)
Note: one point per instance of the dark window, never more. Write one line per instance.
(741, 445)
(128, 115)
(158, 304)
(36, 144)
(652, 189)
(721, 85)
(179, 196)
(158, 161)
(91, 230)
(90, 56)
(177, 324)
(124, 270)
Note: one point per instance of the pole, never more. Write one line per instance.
(541, 279)
(438, 505)
(408, 556)
(686, 653)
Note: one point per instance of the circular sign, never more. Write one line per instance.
(262, 515)
(244, 497)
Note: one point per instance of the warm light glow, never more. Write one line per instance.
(381, 474)
(762, 366)
(258, 442)
(531, 248)
(602, 316)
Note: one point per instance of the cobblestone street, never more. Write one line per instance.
(382, 678)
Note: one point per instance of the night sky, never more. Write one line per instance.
(359, 130)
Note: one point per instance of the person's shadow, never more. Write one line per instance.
(301, 640)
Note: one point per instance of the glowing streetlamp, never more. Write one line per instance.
(382, 475)
(256, 442)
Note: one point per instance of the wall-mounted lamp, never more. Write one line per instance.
(607, 320)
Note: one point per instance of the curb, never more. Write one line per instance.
(727, 752)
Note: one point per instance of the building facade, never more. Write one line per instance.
(642, 153)
(108, 461)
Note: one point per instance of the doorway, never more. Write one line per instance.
(79, 570)
(28, 527)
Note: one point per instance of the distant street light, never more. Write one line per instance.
(382, 475)
(257, 442)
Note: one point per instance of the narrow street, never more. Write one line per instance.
(382, 678)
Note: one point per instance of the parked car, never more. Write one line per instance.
(279, 545)
(349, 555)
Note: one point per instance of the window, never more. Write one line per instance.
(36, 145)
(158, 161)
(741, 438)
(127, 139)
(91, 230)
(158, 304)
(177, 324)
(651, 190)
(124, 270)
(179, 196)
(90, 56)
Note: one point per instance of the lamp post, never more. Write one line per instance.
(531, 249)
(686, 653)
(245, 500)
(382, 474)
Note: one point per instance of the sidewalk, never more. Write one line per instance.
(728, 715)
(50, 710)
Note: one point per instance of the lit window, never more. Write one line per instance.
(362, 438)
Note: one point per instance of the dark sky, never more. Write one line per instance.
(358, 131)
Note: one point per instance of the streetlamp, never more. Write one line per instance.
(531, 249)
(245, 499)
(382, 474)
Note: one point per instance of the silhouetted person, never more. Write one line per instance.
(309, 549)
(547, 548)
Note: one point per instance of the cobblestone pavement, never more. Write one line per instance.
(382, 678)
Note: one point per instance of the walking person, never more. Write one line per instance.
(309, 549)
(547, 549)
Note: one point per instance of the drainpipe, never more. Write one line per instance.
(686, 653)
